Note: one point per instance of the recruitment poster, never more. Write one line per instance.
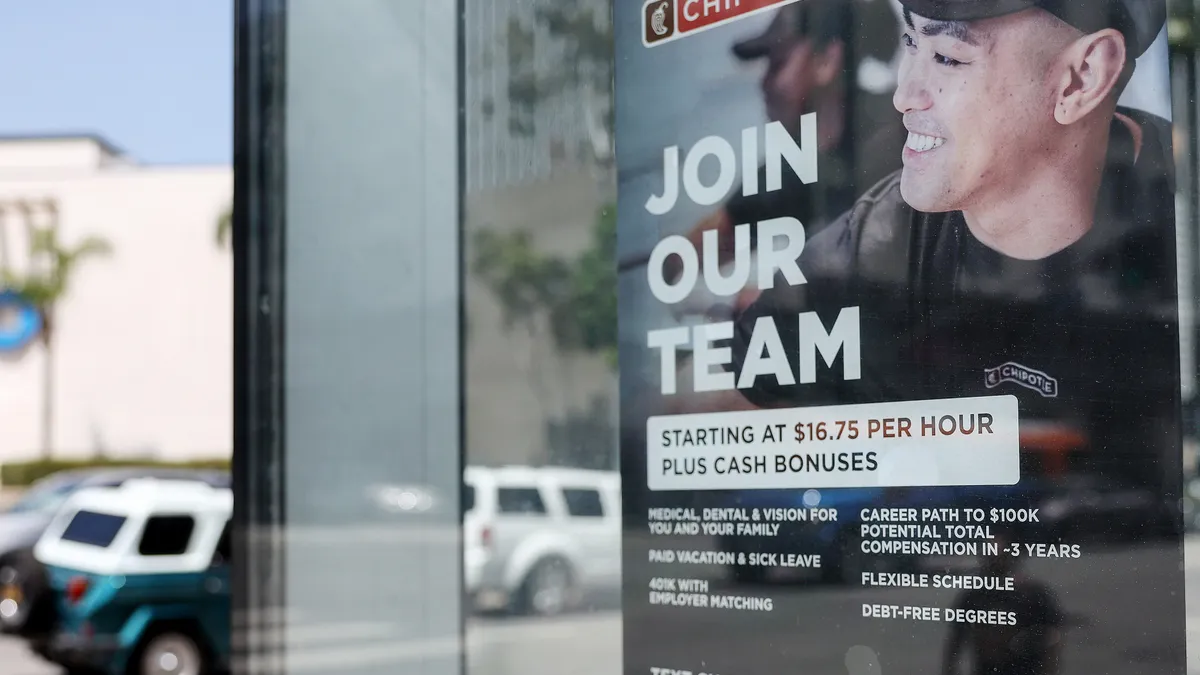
(899, 343)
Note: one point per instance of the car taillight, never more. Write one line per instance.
(76, 588)
(485, 537)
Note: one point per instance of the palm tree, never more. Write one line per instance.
(224, 227)
(43, 287)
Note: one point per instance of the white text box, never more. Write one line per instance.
(957, 441)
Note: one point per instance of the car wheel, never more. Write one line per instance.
(548, 588)
(171, 652)
(25, 608)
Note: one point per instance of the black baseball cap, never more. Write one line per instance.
(1140, 21)
(869, 22)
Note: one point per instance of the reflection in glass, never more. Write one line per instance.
(542, 536)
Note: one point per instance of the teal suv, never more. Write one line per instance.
(129, 580)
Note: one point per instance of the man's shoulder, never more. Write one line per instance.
(871, 240)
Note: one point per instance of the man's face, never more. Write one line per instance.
(977, 100)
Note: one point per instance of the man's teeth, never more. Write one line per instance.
(923, 143)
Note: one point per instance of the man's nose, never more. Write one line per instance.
(912, 92)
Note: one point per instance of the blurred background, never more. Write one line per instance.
(117, 306)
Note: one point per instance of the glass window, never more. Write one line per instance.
(93, 528)
(520, 500)
(166, 535)
(583, 503)
(428, 274)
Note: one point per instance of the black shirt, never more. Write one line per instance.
(1091, 329)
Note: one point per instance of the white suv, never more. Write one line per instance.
(536, 539)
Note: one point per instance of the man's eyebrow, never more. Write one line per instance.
(959, 30)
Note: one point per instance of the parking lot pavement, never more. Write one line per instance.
(16, 660)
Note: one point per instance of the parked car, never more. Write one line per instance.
(536, 539)
(131, 580)
(27, 518)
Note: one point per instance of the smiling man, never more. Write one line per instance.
(1009, 113)
(1024, 188)
(1027, 245)
(1026, 248)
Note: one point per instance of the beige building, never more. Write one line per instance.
(142, 359)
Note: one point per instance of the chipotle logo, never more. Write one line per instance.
(665, 20)
(659, 20)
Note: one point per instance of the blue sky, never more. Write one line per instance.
(154, 77)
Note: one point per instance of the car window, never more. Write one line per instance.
(166, 535)
(46, 497)
(93, 529)
(520, 500)
(583, 502)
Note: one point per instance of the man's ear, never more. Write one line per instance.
(1090, 71)
(830, 62)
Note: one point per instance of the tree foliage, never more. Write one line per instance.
(224, 227)
(575, 297)
(54, 266)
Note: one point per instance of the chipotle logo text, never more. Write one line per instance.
(665, 20)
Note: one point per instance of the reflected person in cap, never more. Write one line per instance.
(811, 52)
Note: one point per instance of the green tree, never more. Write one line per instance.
(575, 297)
(53, 267)
(224, 227)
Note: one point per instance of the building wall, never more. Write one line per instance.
(519, 384)
(143, 339)
(565, 127)
(548, 180)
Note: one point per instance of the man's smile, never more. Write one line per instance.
(923, 143)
